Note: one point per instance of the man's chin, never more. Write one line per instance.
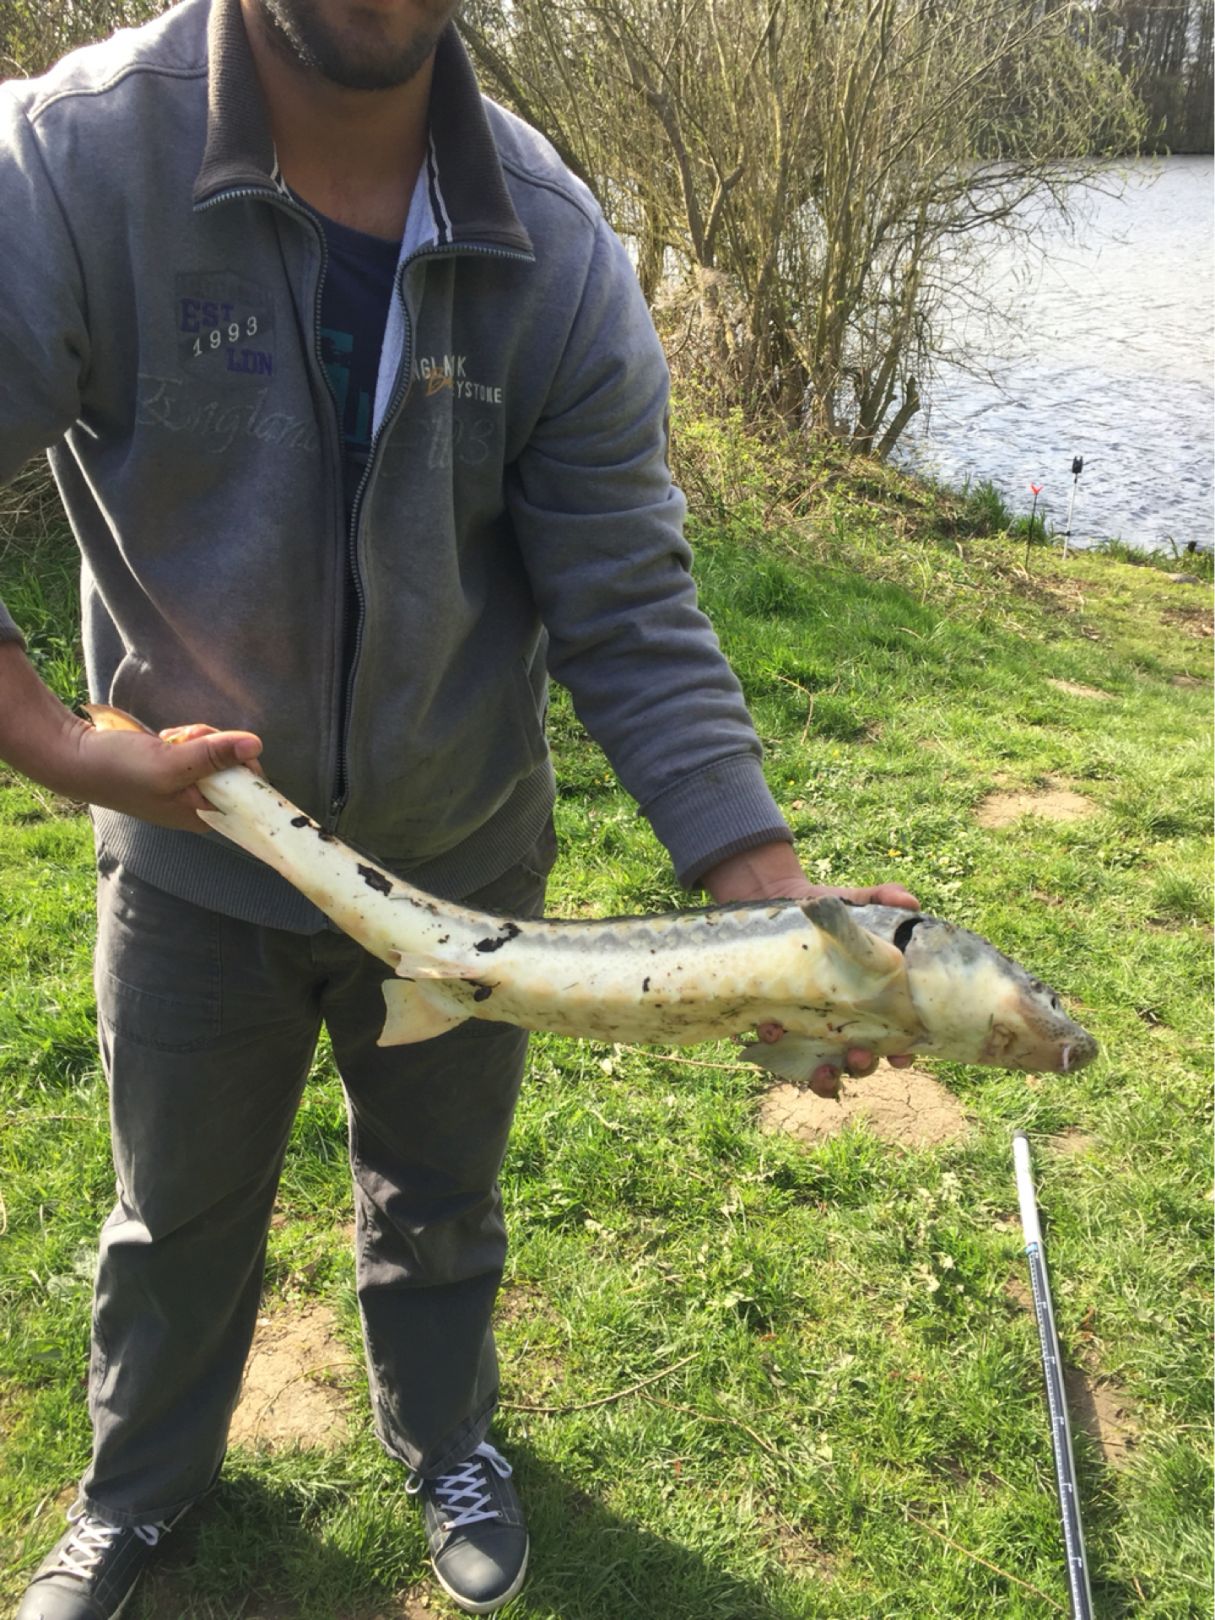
(356, 56)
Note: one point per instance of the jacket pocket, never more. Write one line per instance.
(124, 686)
(157, 966)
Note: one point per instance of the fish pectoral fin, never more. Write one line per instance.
(829, 913)
(416, 1012)
(794, 1058)
(416, 965)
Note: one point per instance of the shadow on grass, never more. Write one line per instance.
(249, 1552)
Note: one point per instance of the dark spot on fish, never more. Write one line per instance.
(302, 821)
(645, 985)
(483, 992)
(374, 880)
(325, 837)
(805, 947)
(509, 931)
(445, 938)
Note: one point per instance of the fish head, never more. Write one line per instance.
(981, 1007)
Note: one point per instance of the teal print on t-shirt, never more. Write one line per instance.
(354, 404)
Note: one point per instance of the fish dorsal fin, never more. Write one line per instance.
(875, 955)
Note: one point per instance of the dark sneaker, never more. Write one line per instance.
(92, 1571)
(475, 1530)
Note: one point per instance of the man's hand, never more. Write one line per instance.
(134, 771)
(154, 777)
(773, 872)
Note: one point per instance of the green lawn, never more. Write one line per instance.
(849, 1419)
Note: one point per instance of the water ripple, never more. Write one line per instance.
(1110, 358)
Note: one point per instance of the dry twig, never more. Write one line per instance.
(695, 1063)
(602, 1400)
(713, 1417)
(987, 1564)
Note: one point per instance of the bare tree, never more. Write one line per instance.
(806, 183)
(806, 180)
(36, 33)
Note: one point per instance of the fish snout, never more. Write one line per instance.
(1075, 1052)
(1038, 1051)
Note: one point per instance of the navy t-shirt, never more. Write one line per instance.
(354, 309)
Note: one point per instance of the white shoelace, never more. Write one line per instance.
(461, 1491)
(94, 1538)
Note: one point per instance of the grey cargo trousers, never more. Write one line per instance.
(207, 1028)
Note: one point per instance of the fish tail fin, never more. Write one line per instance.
(107, 718)
(417, 1012)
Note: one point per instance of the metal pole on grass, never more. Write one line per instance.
(1077, 469)
(1056, 1397)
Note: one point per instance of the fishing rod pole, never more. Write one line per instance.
(1056, 1396)
(1077, 469)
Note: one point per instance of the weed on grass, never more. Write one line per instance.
(746, 1375)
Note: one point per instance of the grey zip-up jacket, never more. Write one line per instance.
(159, 332)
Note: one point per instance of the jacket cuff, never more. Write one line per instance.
(718, 811)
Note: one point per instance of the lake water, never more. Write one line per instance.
(1109, 357)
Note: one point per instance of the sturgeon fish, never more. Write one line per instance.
(835, 975)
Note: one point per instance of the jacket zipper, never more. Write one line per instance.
(400, 392)
(277, 196)
(344, 688)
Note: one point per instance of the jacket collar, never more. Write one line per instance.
(468, 191)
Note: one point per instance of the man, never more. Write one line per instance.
(360, 422)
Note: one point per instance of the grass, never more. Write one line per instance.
(847, 1418)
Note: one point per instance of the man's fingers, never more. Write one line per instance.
(213, 751)
(825, 1081)
(885, 894)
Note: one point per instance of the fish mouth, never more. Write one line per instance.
(1075, 1054)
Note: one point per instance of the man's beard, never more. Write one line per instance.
(351, 57)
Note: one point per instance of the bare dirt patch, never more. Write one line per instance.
(1188, 682)
(294, 1390)
(797, 1551)
(1190, 621)
(416, 1604)
(528, 1331)
(1102, 1411)
(1096, 1406)
(900, 1105)
(1078, 689)
(1071, 1142)
(1018, 1293)
(1052, 803)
